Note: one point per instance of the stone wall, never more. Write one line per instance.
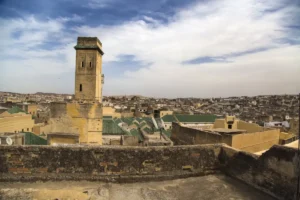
(256, 141)
(250, 142)
(274, 172)
(185, 136)
(30, 163)
(82, 118)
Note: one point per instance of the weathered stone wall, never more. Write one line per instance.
(128, 140)
(29, 163)
(186, 136)
(82, 118)
(275, 172)
(58, 109)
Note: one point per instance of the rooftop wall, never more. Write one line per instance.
(30, 163)
(186, 136)
(254, 142)
(275, 172)
(250, 142)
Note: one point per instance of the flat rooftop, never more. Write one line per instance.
(218, 187)
(228, 131)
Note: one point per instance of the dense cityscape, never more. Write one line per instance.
(81, 138)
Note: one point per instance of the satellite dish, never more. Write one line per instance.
(9, 141)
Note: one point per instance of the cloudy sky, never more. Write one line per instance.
(159, 48)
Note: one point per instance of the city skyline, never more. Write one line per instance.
(160, 49)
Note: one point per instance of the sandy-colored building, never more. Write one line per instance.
(109, 111)
(29, 108)
(62, 138)
(15, 120)
(165, 112)
(84, 114)
(232, 131)
(204, 121)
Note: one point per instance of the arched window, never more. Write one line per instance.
(82, 64)
(80, 87)
(90, 64)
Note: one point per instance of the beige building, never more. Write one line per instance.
(165, 112)
(29, 108)
(16, 122)
(62, 138)
(109, 111)
(234, 132)
(84, 114)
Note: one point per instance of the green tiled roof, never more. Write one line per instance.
(169, 118)
(32, 139)
(140, 119)
(110, 127)
(196, 118)
(147, 130)
(15, 109)
(167, 133)
(128, 120)
(136, 133)
(118, 121)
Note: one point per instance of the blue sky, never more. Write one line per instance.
(160, 48)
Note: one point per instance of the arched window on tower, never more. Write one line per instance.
(90, 64)
(80, 87)
(82, 64)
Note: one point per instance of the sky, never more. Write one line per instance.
(154, 48)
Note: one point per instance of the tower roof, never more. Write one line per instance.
(89, 43)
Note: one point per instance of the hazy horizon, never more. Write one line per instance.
(161, 49)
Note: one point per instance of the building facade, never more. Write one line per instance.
(84, 114)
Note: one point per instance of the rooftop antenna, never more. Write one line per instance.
(298, 153)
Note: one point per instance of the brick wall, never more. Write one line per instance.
(100, 163)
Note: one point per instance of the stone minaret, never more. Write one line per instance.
(88, 76)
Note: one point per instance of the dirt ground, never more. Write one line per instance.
(217, 187)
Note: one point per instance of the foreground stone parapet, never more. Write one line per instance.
(275, 172)
(123, 164)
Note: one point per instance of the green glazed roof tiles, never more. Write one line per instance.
(15, 109)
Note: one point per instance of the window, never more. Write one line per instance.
(229, 126)
(82, 64)
(27, 129)
(80, 87)
(90, 64)
(22, 130)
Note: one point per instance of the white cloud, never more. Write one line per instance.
(216, 28)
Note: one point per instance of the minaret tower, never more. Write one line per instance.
(88, 75)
